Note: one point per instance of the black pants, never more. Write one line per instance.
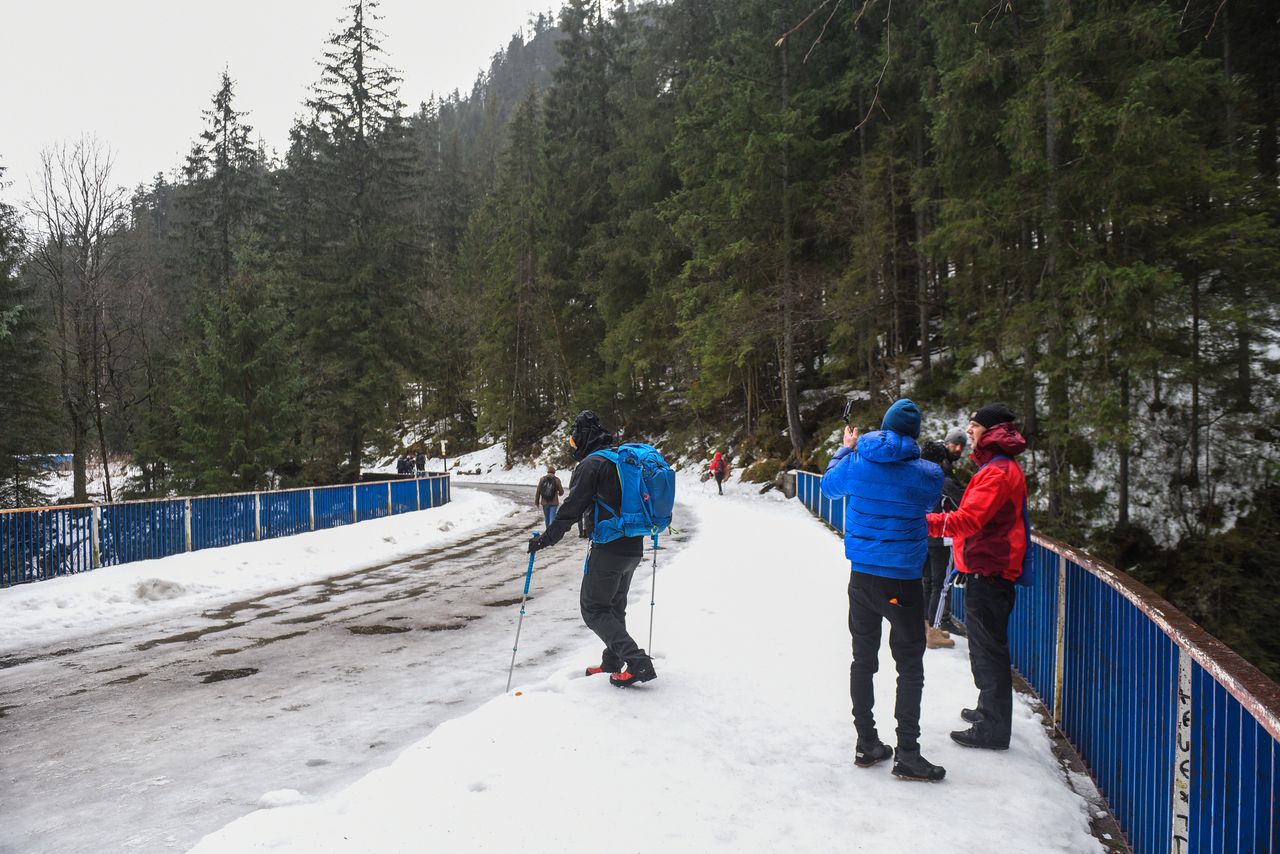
(901, 602)
(933, 577)
(604, 604)
(720, 483)
(987, 605)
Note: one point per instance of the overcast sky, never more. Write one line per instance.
(137, 73)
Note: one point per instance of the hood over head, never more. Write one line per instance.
(1002, 439)
(887, 446)
(588, 436)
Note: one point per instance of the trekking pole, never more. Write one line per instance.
(946, 588)
(652, 585)
(528, 576)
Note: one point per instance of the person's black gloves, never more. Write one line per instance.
(961, 579)
(536, 543)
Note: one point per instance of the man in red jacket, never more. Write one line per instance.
(989, 532)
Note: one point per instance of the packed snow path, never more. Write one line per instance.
(148, 736)
(743, 744)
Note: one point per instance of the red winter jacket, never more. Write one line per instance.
(988, 530)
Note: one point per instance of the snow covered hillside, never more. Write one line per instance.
(743, 743)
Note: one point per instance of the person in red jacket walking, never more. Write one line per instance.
(989, 532)
(718, 471)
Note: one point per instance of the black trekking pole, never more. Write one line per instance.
(946, 588)
(652, 586)
(528, 576)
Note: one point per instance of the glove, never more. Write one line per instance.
(535, 543)
(961, 579)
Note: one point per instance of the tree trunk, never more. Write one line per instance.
(1058, 388)
(1122, 516)
(922, 267)
(790, 391)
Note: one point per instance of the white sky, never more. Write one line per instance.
(137, 73)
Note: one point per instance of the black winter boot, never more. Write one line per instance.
(972, 716)
(980, 735)
(640, 670)
(910, 765)
(869, 753)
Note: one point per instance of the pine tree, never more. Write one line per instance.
(25, 386)
(238, 402)
(357, 283)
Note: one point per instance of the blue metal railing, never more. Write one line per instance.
(1181, 735)
(46, 542)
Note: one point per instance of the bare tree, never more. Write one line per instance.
(78, 218)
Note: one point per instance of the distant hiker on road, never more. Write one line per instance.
(547, 495)
(610, 565)
(718, 471)
(421, 463)
(890, 489)
(990, 532)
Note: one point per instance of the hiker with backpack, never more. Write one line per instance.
(625, 493)
(547, 495)
(991, 535)
(889, 489)
(718, 466)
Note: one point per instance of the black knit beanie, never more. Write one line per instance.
(993, 414)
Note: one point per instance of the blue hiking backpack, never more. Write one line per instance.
(648, 494)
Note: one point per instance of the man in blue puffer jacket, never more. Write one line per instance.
(889, 490)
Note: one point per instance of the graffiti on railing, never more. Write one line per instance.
(1182, 760)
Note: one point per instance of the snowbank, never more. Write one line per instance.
(47, 612)
(744, 742)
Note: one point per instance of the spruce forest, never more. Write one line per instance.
(710, 221)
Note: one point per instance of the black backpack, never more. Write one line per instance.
(548, 489)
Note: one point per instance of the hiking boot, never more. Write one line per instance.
(603, 668)
(980, 736)
(636, 672)
(934, 639)
(972, 716)
(910, 765)
(951, 626)
(869, 753)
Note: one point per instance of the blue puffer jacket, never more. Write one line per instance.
(890, 489)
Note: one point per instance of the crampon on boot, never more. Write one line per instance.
(603, 668)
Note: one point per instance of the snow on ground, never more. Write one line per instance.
(743, 743)
(47, 612)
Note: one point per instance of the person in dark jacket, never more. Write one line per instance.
(889, 491)
(611, 565)
(934, 573)
(547, 495)
(420, 463)
(989, 532)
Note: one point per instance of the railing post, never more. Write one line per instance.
(1181, 783)
(186, 521)
(391, 509)
(95, 535)
(257, 515)
(1060, 642)
(312, 494)
(355, 507)
(417, 490)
